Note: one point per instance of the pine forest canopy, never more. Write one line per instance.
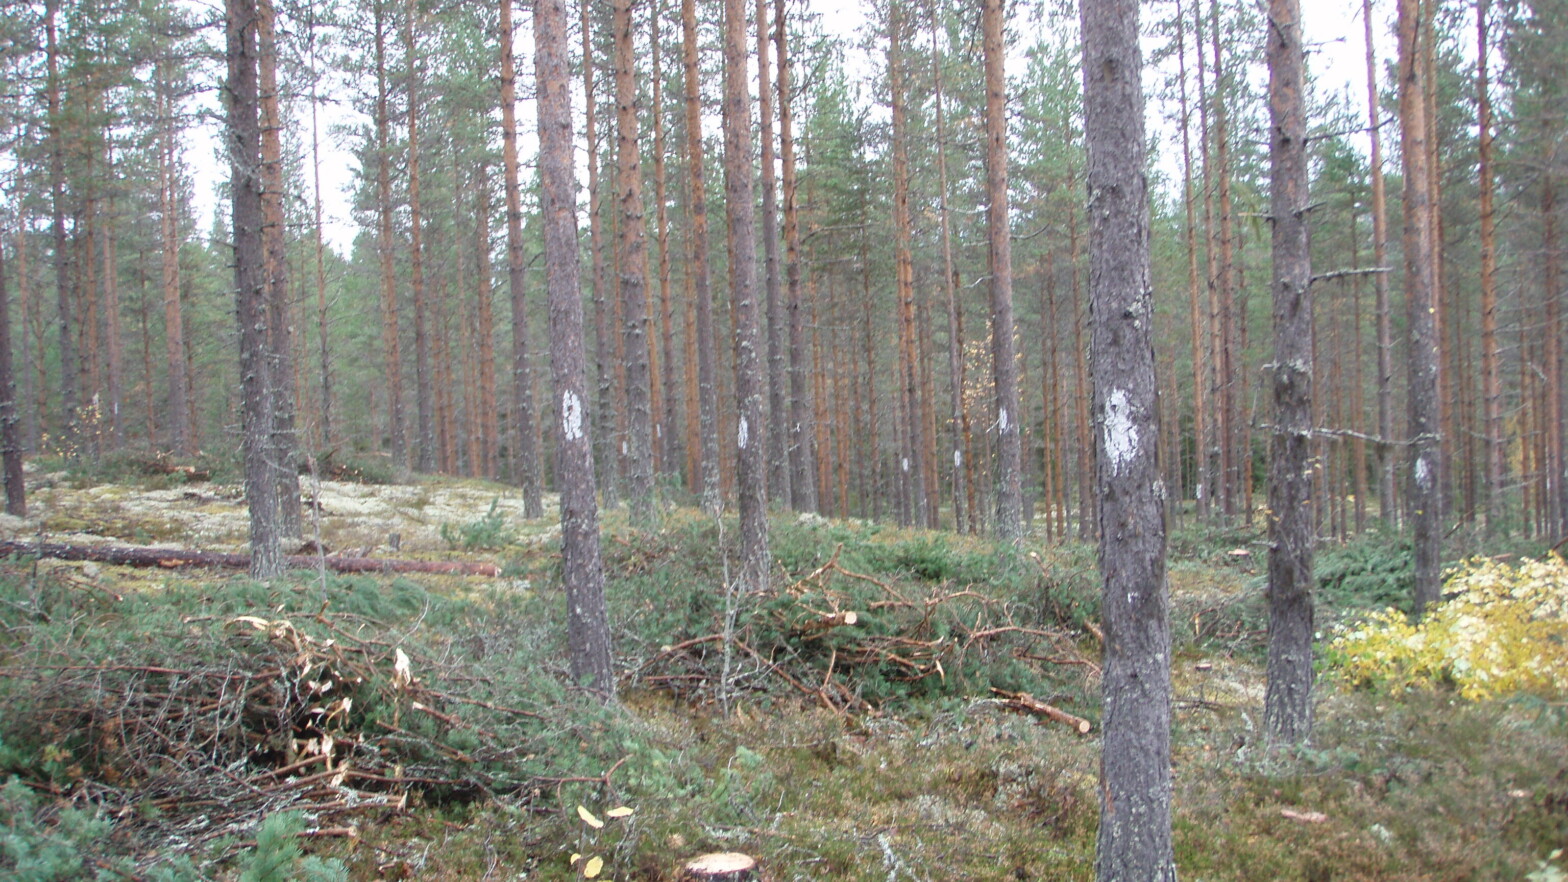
(416, 319)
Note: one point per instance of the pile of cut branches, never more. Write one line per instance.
(852, 641)
(190, 728)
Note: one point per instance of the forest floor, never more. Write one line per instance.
(423, 726)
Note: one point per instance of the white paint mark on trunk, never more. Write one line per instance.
(1423, 473)
(743, 434)
(1121, 436)
(571, 416)
(905, 463)
(1001, 420)
(958, 459)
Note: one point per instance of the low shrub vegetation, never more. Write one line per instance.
(1501, 630)
(852, 723)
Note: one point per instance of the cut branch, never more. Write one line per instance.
(1026, 703)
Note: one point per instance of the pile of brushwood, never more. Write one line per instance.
(852, 640)
(190, 711)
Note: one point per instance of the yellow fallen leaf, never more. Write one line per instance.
(588, 818)
(575, 858)
(621, 812)
(592, 868)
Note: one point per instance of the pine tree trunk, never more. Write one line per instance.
(803, 447)
(707, 373)
(424, 392)
(604, 414)
(912, 443)
(1420, 289)
(525, 437)
(488, 421)
(1135, 813)
(250, 282)
(113, 333)
(668, 432)
(1004, 361)
(70, 361)
(779, 488)
(391, 339)
(582, 570)
(1196, 297)
(1288, 704)
(633, 272)
(10, 430)
(1088, 513)
(179, 400)
(32, 338)
(280, 339)
(1490, 350)
(751, 428)
(1553, 488)
(322, 349)
(1234, 457)
(963, 492)
(1386, 490)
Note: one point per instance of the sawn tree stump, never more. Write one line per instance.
(721, 867)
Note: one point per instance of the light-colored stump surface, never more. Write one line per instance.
(723, 867)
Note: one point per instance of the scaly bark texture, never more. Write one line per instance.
(605, 366)
(1004, 358)
(632, 258)
(802, 400)
(1491, 356)
(667, 433)
(1287, 710)
(525, 437)
(582, 570)
(10, 432)
(751, 425)
(250, 283)
(280, 342)
(707, 372)
(181, 439)
(1386, 495)
(70, 360)
(964, 519)
(914, 497)
(391, 338)
(424, 390)
(1135, 767)
(1421, 308)
(327, 435)
(779, 485)
(1197, 297)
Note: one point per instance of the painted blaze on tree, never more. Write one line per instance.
(582, 570)
(1135, 796)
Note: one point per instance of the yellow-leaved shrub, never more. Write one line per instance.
(1504, 630)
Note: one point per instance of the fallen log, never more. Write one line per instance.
(1023, 701)
(135, 556)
